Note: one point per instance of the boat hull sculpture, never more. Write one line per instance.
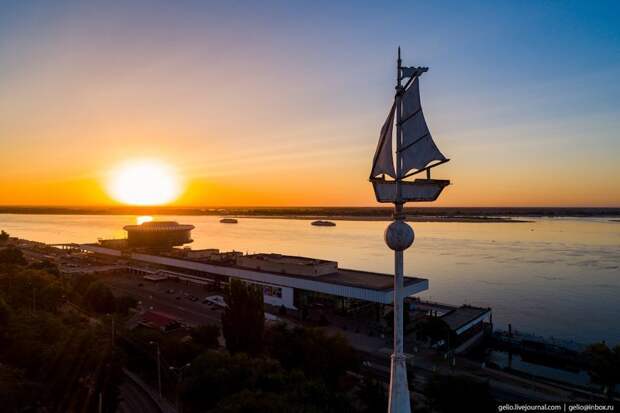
(420, 190)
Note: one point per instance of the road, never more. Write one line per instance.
(135, 399)
(154, 296)
(503, 385)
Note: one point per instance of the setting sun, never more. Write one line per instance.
(144, 182)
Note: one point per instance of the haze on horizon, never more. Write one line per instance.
(280, 104)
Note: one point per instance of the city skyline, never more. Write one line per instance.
(282, 105)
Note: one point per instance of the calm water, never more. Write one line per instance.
(553, 277)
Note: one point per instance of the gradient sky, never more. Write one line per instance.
(280, 103)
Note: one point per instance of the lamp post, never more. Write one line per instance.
(153, 343)
(179, 371)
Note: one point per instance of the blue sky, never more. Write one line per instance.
(517, 92)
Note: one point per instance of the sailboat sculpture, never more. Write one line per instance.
(415, 150)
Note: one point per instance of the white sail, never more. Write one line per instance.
(418, 148)
(383, 162)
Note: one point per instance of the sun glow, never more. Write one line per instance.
(144, 182)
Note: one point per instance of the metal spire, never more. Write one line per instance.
(398, 236)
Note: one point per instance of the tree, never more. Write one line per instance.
(206, 336)
(5, 316)
(448, 394)
(4, 237)
(221, 382)
(46, 265)
(99, 298)
(12, 255)
(243, 321)
(30, 289)
(604, 365)
(124, 303)
(318, 355)
(373, 394)
(434, 328)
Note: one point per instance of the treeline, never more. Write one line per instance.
(323, 211)
(263, 369)
(52, 357)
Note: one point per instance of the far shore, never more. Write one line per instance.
(382, 218)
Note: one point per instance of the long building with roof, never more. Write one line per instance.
(286, 280)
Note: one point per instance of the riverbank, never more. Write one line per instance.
(410, 218)
(379, 213)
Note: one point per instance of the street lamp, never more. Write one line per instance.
(153, 343)
(179, 371)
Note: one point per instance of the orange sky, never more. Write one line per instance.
(269, 110)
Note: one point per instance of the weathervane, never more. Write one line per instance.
(416, 152)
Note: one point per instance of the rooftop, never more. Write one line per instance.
(354, 283)
(462, 316)
(159, 226)
(287, 259)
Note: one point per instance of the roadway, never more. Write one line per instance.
(154, 296)
(503, 386)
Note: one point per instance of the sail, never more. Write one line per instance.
(418, 148)
(383, 162)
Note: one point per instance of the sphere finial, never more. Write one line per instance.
(399, 235)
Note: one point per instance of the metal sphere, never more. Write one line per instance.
(399, 236)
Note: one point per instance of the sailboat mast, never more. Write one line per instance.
(399, 401)
(399, 95)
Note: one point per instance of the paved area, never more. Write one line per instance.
(154, 296)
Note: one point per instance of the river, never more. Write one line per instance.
(555, 277)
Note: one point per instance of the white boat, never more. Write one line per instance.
(414, 146)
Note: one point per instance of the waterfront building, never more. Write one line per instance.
(287, 281)
(158, 234)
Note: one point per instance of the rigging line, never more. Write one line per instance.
(425, 168)
(410, 81)
(414, 142)
(410, 116)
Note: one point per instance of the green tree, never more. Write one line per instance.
(206, 336)
(124, 303)
(46, 265)
(221, 382)
(49, 360)
(243, 321)
(27, 289)
(12, 255)
(318, 355)
(99, 298)
(434, 328)
(5, 317)
(373, 395)
(604, 365)
(449, 394)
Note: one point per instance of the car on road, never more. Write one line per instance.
(217, 300)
